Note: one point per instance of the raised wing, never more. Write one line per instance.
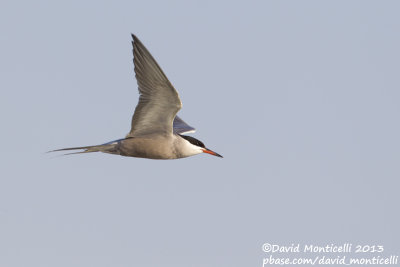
(158, 102)
(181, 127)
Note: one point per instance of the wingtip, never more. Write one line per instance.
(134, 37)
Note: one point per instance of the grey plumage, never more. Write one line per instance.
(155, 129)
(180, 127)
(157, 95)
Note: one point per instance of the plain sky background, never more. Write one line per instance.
(300, 97)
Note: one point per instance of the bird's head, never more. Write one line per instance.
(199, 146)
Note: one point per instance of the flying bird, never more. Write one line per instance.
(156, 131)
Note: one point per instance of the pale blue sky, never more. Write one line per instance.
(300, 97)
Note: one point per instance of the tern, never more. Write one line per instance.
(156, 131)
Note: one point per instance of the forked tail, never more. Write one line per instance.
(111, 148)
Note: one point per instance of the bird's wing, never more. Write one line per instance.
(158, 102)
(181, 127)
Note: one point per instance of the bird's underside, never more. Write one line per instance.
(149, 147)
